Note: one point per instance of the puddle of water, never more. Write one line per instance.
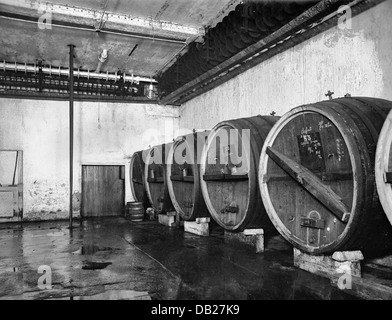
(91, 249)
(89, 265)
(56, 234)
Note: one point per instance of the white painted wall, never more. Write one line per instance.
(356, 61)
(105, 133)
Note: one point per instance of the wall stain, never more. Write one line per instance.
(48, 200)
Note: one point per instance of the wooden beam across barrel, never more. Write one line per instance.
(384, 167)
(316, 176)
(228, 170)
(136, 177)
(155, 178)
(183, 176)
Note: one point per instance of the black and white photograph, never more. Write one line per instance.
(195, 157)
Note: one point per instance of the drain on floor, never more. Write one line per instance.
(89, 265)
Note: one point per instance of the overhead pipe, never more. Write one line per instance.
(6, 66)
(71, 131)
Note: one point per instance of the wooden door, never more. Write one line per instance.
(103, 191)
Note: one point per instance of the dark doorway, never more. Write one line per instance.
(103, 191)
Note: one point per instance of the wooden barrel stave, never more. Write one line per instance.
(155, 178)
(379, 106)
(369, 121)
(234, 190)
(366, 133)
(384, 167)
(368, 116)
(239, 190)
(137, 181)
(260, 126)
(288, 203)
(185, 194)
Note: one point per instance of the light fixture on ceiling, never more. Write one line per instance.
(101, 60)
(150, 90)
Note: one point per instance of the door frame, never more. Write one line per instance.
(98, 164)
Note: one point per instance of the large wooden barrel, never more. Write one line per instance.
(183, 176)
(155, 178)
(228, 170)
(316, 176)
(384, 167)
(137, 181)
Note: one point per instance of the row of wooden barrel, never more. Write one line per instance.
(319, 175)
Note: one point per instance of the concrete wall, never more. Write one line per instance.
(356, 61)
(105, 133)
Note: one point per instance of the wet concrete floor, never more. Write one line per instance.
(121, 260)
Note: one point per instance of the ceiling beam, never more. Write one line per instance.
(101, 20)
(264, 49)
(223, 13)
(84, 27)
(16, 94)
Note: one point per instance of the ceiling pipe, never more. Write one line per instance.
(65, 72)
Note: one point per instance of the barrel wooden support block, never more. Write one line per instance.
(368, 289)
(250, 237)
(339, 263)
(344, 274)
(200, 229)
(317, 177)
(358, 284)
(167, 220)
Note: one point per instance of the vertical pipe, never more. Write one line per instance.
(71, 130)
(40, 77)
